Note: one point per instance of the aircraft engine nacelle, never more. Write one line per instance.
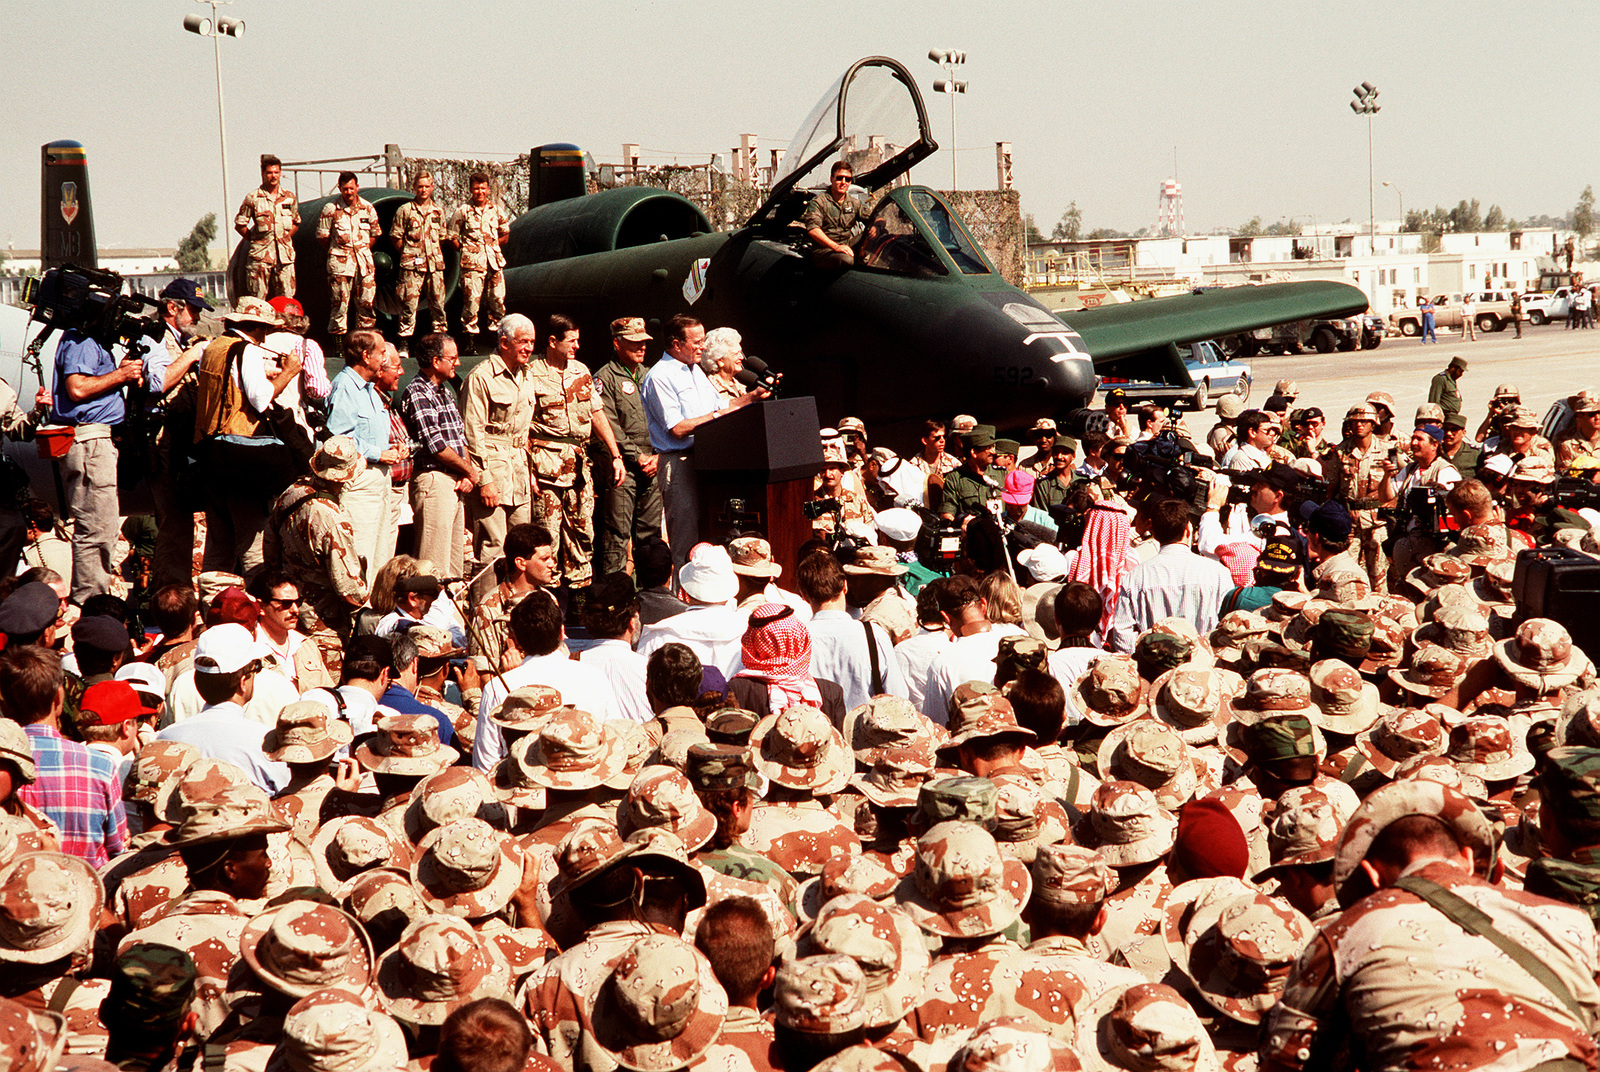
(311, 268)
(601, 223)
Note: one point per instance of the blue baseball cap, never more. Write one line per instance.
(185, 290)
(1330, 520)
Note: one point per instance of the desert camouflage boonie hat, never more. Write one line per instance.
(891, 957)
(1234, 628)
(1398, 736)
(1071, 874)
(151, 985)
(1148, 1027)
(385, 902)
(154, 776)
(1110, 692)
(895, 778)
(962, 799)
(15, 746)
(846, 876)
(972, 700)
(526, 708)
(958, 887)
(1000, 720)
(333, 1030)
(799, 748)
(1151, 754)
(433, 642)
(572, 750)
(662, 796)
(713, 767)
(1460, 628)
(1522, 417)
(31, 1040)
(1026, 817)
(1239, 953)
(1341, 701)
(1304, 830)
(467, 868)
(1441, 771)
(1274, 691)
(338, 460)
(453, 793)
(634, 746)
(514, 778)
(406, 744)
(1542, 656)
(306, 946)
(1406, 796)
(345, 847)
(886, 722)
(1194, 702)
(661, 1007)
(820, 995)
(1439, 570)
(1013, 1044)
(305, 734)
(439, 965)
(49, 907)
(1126, 825)
(232, 811)
(1487, 745)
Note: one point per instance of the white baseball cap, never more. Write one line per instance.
(226, 649)
(144, 678)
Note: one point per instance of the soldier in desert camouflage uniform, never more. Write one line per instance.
(566, 410)
(152, 991)
(310, 538)
(49, 907)
(417, 231)
(480, 227)
(1362, 483)
(805, 758)
(1405, 976)
(269, 217)
(348, 229)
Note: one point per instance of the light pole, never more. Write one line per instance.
(216, 29)
(1366, 103)
(950, 59)
(1398, 197)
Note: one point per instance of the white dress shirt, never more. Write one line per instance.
(580, 686)
(968, 658)
(675, 392)
(226, 733)
(839, 654)
(1175, 583)
(713, 633)
(273, 693)
(916, 655)
(623, 670)
(1067, 665)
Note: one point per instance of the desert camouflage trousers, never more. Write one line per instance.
(1370, 539)
(568, 514)
(266, 280)
(365, 289)
(475, 286)
(413, 285)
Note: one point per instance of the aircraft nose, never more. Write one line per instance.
(1065, 373)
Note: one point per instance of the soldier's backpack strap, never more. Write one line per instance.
(872, 655)
(1475, 921)
(63, 994)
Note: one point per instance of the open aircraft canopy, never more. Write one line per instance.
(875, 98)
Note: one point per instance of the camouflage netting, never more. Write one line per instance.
(995, 219)
(508, 180)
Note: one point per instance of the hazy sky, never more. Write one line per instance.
(1486, 100)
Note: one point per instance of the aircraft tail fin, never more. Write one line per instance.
(556, 172)
(66, 220)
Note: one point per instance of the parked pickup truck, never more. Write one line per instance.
(1324, 336)
(1540, 308)
(1491, 312)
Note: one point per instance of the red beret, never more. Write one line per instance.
(1210, 841)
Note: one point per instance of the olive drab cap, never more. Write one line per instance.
(1018, 653)
(151, 985)
(1281, 737)
(1162, 651)
(1570, 782)
(720, 766)
(333, 1030)
(821, 995)
(1408, 796)
(440, 964)
(969, 800)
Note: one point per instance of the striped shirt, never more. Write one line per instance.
(78, 790)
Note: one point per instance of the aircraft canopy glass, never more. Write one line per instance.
(909, 229)
(947, 229)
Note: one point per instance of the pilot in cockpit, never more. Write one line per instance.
(835, 220)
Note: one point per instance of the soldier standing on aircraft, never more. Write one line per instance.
(632, 508)
(269, 218)
(564, 411)
(480, 228)
(348, 228)
(834, 220)
(416, 233)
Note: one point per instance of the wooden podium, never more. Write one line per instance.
(765, 454)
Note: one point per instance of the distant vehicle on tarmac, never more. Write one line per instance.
(1491, 312)
(1541, 308)
(1214, 373)
(1364, 332)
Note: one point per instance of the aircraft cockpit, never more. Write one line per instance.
(913, 232)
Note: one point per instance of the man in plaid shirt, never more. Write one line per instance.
(443, 473)
(75, 787)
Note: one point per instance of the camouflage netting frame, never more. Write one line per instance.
(508, 180)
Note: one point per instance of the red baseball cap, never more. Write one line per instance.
(109, 703)
(282, 305)
(234, 605)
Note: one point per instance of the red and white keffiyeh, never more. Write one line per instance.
(777, 651)
(1103, 556)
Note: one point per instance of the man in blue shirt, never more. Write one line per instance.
(89, 381)
(678, 398)
(401, 695)
(357, 410)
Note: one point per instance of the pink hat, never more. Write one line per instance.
(1019, 488)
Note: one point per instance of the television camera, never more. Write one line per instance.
(91, 302)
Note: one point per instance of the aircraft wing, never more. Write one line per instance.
(1114, 331)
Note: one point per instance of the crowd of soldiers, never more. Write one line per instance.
(1132, 752)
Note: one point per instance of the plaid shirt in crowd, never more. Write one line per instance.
(434, 420)
(77, 789)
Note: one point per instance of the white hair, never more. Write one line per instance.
(512, 323)
(720, 343)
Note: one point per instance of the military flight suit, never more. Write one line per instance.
(269, 269)
(416, 230)
(558, 436)
(1443, 392)
(966, 493)
(351, 232)
(479, 230)
(1361, 484)
(632, 510)
(496, 415)
(309, 536)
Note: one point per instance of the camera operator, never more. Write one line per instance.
(166, 366)
(855, 514)
(88, 394)
(1427, 469)
(1265, 508)
(1531, 508)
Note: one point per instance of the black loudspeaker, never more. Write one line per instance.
(1564, 586)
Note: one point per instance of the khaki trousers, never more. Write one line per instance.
(439, 518)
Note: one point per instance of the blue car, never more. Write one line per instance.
(1212, 375)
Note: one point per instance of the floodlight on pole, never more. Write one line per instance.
(950, 59)
(1366, 103)
(216, 29)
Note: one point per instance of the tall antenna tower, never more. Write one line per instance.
(1169, 210)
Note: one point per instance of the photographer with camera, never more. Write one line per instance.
(1427, 469)
(1506, 398)
(836, 504)
(89, 381)
(1265, 509)
(1531, 506)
